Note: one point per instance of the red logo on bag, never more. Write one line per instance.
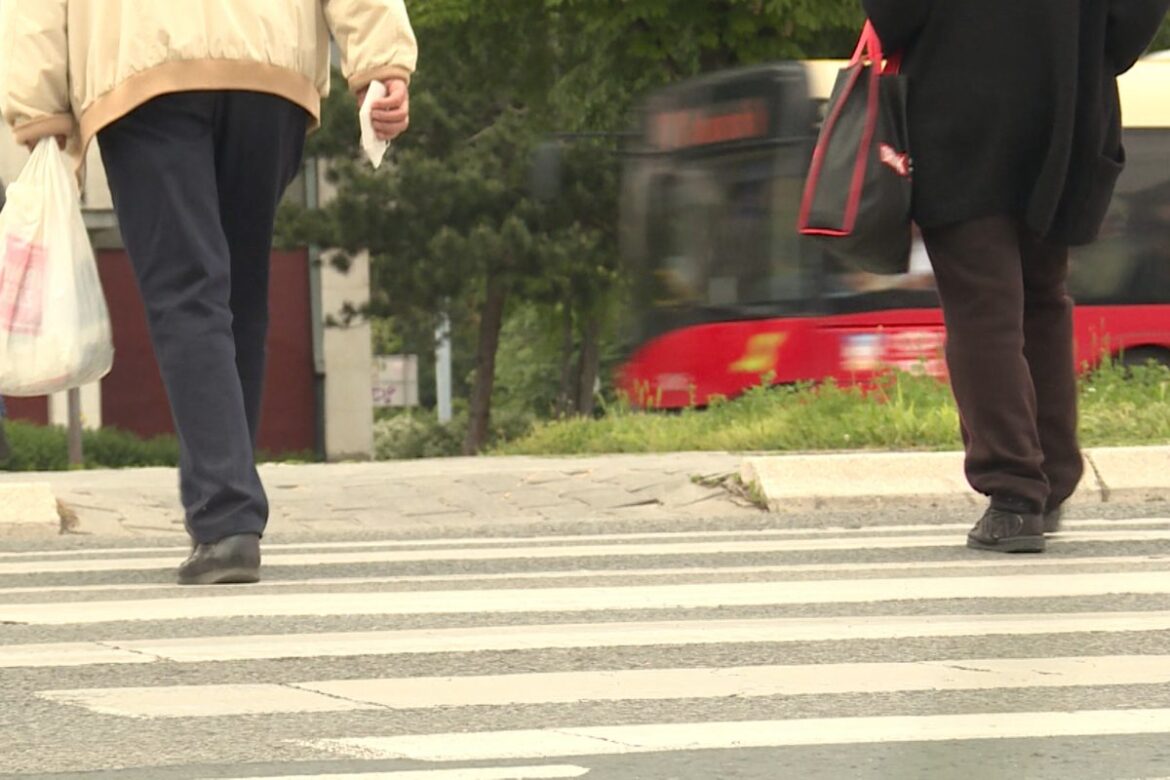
(22, 288)
(899, 161)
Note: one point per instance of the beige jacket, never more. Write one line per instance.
(71, 67)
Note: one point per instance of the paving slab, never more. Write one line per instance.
(397, 495)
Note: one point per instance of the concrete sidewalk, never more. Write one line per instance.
(449, 493)
(389, 496)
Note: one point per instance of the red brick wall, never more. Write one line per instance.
(35, 410)
(133, 397)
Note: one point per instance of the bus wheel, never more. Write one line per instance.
(1142, 356)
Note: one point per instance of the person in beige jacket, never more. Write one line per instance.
(200, 109)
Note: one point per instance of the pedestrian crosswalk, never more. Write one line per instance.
(595, 655)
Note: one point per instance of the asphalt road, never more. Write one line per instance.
(846, 647)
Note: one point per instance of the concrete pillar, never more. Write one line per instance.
(349, 406)
(91, 407)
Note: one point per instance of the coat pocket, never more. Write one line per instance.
(1099, 194)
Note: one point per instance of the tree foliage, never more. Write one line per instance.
(451, 226)
(1162, 41)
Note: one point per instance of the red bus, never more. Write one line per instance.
(727, 295)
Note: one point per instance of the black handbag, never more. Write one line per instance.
(857, 198)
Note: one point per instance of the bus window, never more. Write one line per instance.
(1130, 263)
(843, 281)
(713, 236)
(679, 242)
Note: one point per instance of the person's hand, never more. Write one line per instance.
(390, 115)
(33, 144)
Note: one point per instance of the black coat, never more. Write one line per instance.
(1014, 106)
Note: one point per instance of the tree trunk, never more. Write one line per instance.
(490, 323)
(566, 392)
(590, 365)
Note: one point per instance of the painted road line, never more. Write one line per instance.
(574, 636)
(591, 599)
(749, 682)
(1120, 562)
(502, 541)
(669, 737)
(487, 773)
(831, 544)
(568, 539)
(1014, 563)
(872, 530)
(192, 701)
(66, 654)
(513, 690)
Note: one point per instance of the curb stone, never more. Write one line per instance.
(927, 480)
(29, 509)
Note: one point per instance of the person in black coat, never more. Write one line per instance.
(1015, 131)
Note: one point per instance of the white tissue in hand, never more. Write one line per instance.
(374, 147)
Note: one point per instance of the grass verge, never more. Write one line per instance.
(1119, 407)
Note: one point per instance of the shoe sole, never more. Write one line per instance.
(1016, 544)
(236, 576)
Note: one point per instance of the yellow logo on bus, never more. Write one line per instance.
(761, 354)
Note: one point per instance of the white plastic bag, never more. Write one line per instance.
(54, 326)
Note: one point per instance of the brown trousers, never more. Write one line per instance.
(1010, 354)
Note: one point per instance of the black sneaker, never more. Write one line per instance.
(1052, 520)
(231, 560)
(1008, 532)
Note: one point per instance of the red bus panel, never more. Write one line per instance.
(690, 366)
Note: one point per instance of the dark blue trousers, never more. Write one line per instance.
(196, 179)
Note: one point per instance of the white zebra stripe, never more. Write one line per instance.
(616, 685)
(829, 544)
(648, 597)
(487, 541)
(665, 737)
(572, 636)
(1028, 563)
(487, 773)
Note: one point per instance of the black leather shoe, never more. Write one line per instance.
(1008, 532)
(233, 559)
(1052, 520)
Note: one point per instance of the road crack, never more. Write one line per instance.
(1105, 491)
(113, 646)
(305, 688)
(967, 668)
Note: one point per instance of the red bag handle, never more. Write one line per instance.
(869, 49)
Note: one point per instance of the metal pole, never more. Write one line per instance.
(75, 453)
(443, 368)
(312, 203)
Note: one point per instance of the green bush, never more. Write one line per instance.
(111, 448)
(417, 433)
(37, 448)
